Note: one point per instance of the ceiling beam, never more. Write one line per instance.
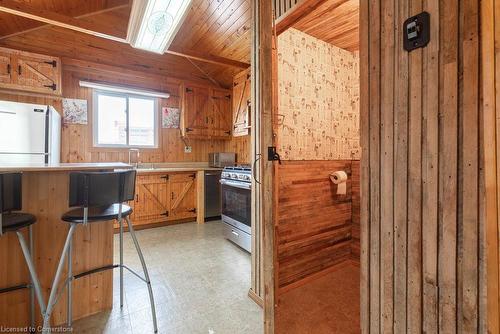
(53, 18)
(64, 21)
(103, 11)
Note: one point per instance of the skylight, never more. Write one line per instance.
(154, 23)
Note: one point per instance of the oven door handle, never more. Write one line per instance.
(246, 186)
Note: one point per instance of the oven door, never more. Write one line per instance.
(236, 204)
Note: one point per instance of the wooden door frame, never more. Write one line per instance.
(490, 77)
(262, 133)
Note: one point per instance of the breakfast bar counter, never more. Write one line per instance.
(45, 195)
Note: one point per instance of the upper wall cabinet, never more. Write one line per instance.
(30, 72)
(241, 104)
(206, 112)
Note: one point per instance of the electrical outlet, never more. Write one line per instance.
(188, 149)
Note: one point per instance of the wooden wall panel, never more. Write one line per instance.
(314, 226)
(490, 115)
(318, 116)
(77, 139)
(421, 218)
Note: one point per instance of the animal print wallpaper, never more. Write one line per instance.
(318, 107)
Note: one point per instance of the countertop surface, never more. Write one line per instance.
(174, 167)
(35, 167)
(142, 168)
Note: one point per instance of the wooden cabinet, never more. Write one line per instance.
(182, 196)
(241, 104)
(152, 200)
(5, 68)
(30, 72)
(196, 111)
(221, 120)
(164, 197)
(206, 112)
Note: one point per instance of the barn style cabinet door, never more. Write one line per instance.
(195, 111)
(241, 104)
(39, 73)
(220, 118)
(152, 200)
(5, 68)
(30, 72)
(182, 196)
(206, 112)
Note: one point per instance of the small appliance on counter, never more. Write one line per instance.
(29, 133)
(221, 159)
(236, 202)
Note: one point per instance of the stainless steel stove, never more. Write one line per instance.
(236, 183)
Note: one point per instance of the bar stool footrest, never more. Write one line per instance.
(15, 288)
(104, 268)
(95, 271)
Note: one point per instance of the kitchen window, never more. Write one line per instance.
(125, 120)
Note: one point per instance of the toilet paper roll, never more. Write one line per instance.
(339, 178)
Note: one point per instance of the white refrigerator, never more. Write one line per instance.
(29, 134)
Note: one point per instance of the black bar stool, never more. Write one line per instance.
(98, 197)
(10, 221)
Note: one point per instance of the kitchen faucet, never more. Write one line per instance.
(136, 157)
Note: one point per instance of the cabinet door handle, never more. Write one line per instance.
(8, 68)
(53, 63)
(19, 69)
(137, 198)
(172, 196)
(53, 86)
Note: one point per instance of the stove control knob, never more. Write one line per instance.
(247, 177)
(234, 176)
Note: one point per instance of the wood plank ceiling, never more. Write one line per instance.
(333, 21)
(212, 28)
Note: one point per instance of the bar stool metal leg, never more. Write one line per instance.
(32, 288)
(145, 270)
(53, 291)
(69, 306)
(121, 261)
(31, 269)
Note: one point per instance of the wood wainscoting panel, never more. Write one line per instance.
(314, 225)
(45, 195)
(422, 215)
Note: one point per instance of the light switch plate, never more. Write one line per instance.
(188, 149)
(416, 31)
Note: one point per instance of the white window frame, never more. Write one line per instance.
(127, 96)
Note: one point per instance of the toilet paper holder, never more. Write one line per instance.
(340, 179)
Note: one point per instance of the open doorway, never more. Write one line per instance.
(317, 135)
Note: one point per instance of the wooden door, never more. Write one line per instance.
(196, 112)
(38, 73)
(220, 118)
(5, 68)
(241, 104)
(152, 201)
(182, 196)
